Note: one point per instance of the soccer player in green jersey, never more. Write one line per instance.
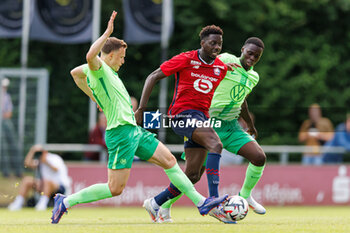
(228, 104)
(100, 81)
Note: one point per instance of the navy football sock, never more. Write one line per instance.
(167, 194)
(212, 170)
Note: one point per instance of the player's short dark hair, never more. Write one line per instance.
(113, 43)
(256, 41)
(210, 29)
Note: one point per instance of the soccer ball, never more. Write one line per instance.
(236, 207)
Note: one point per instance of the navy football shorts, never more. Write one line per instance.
(183, 125)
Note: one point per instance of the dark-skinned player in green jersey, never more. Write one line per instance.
(228, 104)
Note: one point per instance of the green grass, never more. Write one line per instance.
(120, 220)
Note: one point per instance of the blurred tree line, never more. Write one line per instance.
(306, 60)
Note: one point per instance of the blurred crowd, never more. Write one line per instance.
(317, 131)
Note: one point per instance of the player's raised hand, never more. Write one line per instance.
(110, 26)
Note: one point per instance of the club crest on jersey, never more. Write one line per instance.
(217, 71)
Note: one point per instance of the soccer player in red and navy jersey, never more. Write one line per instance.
(195, 80)
(197, 75)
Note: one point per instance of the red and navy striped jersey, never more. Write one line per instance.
(195, 81)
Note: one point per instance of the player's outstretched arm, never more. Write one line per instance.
(150, 82)
(92, 56)
(80, 80)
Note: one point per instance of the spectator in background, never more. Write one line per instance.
(315, 131)
(97, 136)
(341, 138)
(51, 178)
(10, 155)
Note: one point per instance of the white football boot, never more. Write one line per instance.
(219, 214)
(152, 212)
(256, 207)
(164, 215)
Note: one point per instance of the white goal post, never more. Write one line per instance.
(29, 88)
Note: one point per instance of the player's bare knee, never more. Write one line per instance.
(260, 159)
(169, 162)
(216, 147)
(194, 177)
(116, 191)
(172, 161)
(27, 180)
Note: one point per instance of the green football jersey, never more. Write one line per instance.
(233, 89)
(111, 95)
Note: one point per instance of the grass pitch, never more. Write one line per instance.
(120, 220)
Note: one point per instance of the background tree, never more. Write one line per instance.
(305, 61)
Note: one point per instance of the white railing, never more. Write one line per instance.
(71, 147)
(282, 150)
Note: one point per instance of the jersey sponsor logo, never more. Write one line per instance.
(195, 67)
(237, 93)
(202, 85)
(202, 76)
(217, 71)
(193, 62)
(151, 120)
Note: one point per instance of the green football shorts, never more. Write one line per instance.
(126, 141)
(232, 136)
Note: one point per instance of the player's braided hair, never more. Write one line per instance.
(113, 43)
(210, 29)
(255, 40)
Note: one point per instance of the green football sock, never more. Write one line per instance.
(180, 180)
(90, 194)
(252, 176)
(170, 202)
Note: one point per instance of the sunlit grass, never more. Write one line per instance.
(85, 220)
